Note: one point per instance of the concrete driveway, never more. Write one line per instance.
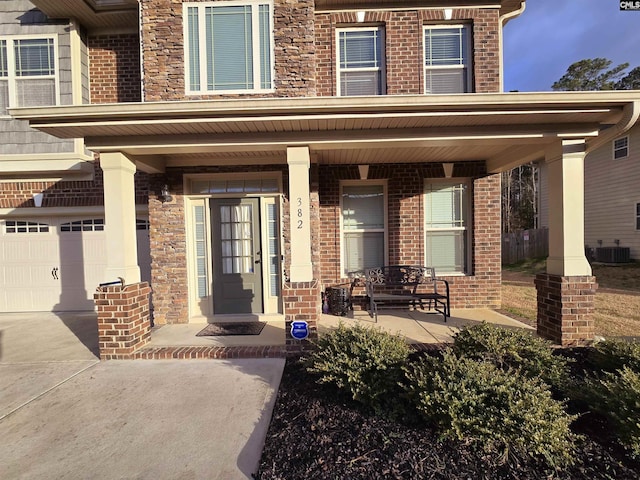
(64, 414)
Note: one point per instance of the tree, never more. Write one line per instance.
(591, 74)
(631, 81)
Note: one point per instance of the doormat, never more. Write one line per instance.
(231, 328)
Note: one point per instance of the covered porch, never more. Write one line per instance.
(297, 141)
(418, 328)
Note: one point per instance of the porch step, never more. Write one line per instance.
(205, 352)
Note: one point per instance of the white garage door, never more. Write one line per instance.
(55, 264)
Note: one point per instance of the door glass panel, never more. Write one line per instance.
(236, 239)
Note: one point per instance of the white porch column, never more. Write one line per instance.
(301, 269)
(565, 162)
(120, 217)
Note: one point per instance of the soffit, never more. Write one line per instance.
(339, 129)
(93, 13)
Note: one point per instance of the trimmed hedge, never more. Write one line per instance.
(500, 411)
(363, 361)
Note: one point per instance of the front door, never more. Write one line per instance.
(237, 256)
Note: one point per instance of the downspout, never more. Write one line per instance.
(630, 115)
(503, 21)
(141, 50)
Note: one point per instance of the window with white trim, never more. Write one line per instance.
(447, 59)
(363, 225)
(86, 225)
(446, 226)
(361, 61)
(28, 76)
(621, 148)
(228, 46)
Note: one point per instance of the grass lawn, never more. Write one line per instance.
(617, 303)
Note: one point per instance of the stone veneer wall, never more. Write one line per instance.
(163, 51)
(565, 308)
(406, 225)
(404, 52)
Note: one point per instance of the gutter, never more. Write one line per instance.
(630, 115)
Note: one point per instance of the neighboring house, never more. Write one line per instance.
(287, 143)
(52, 237)
(611, 215)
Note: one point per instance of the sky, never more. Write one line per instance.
(550, 35)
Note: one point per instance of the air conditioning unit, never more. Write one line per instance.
(613, 254)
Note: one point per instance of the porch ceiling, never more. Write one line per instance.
(502, 129)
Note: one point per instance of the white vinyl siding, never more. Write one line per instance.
(361, 62)
(611, 197)
(28, 72)
(447, 59)
(363, 226)
(229, 47)
(446, 230)
(621, 148)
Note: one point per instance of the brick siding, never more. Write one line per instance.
(406, 225)
(66, 193)
(404, 47)
(124, 323)
(565, 308)
(114, 68)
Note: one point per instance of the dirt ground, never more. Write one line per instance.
(617, 302)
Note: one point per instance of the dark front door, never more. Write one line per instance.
(237, 260)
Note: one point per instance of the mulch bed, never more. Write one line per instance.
(317, 433)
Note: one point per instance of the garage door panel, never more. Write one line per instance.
(79, 254)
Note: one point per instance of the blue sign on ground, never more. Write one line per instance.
(299, 330)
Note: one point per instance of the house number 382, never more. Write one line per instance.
(299, 212)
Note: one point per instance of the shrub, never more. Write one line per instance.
(517, 349)
(364, 361)
(500, 411)
(617, 397)
(612, 355)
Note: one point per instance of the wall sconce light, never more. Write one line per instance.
(165, 196)
(360, 16)
(37, 199)
(448, 169)
(617, 242)
(364, 171)
(600, 242)
(448, 13)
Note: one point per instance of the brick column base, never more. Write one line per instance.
(565, 308)
(301, 302)
(123, 319)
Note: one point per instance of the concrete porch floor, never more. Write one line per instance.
(415, 325)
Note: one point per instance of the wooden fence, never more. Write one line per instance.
(524, 244)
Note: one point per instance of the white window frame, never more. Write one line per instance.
(615, 149)
(384, 230)
(466, 55)
(255, 26)
(381, 68)
(12, 78)
(466, 215)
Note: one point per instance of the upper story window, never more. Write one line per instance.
(621, 148)
(27, 72)
(228, 47)
(446, 54)
(361, 61)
